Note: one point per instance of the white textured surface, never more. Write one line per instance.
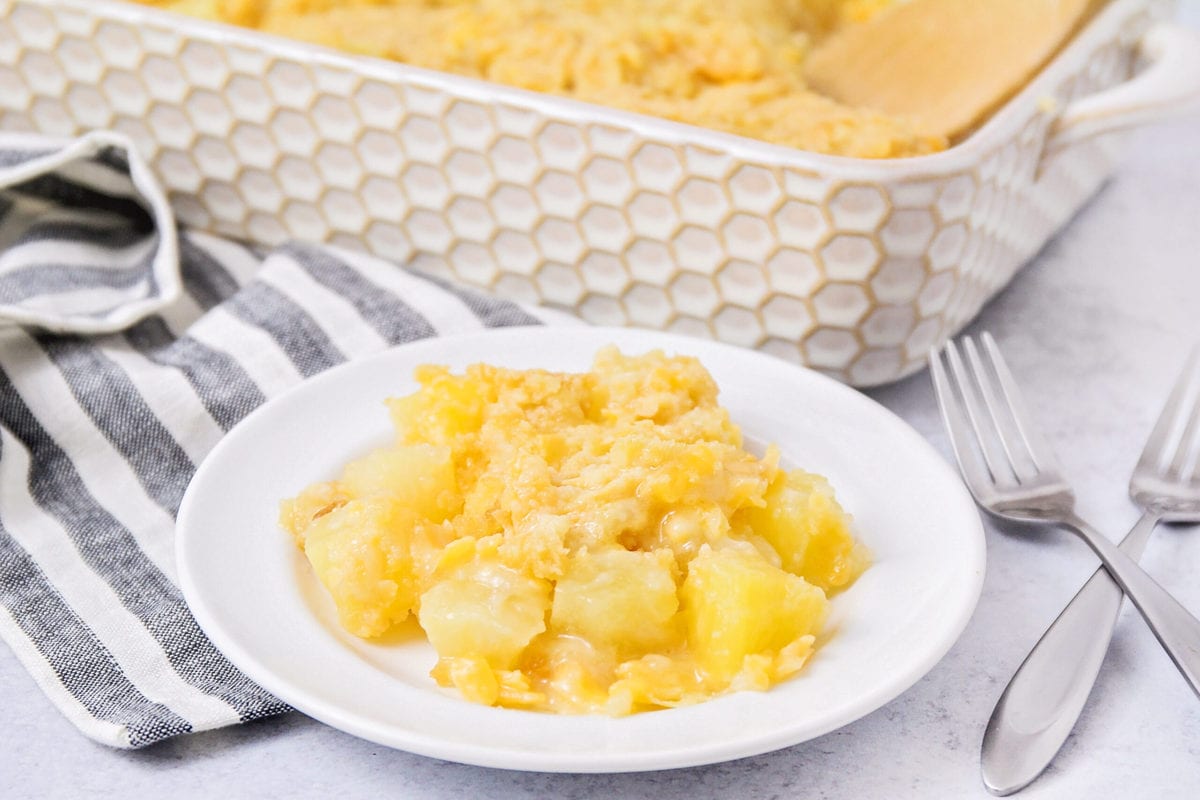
(1095, 329)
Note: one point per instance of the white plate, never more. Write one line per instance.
(252, 592)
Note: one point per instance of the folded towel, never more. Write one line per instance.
(127, 350)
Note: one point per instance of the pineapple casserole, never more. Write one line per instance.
(733, 66)
(578, 543)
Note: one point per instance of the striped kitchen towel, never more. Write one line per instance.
(126, 351)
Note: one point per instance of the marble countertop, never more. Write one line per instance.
(1095, 329)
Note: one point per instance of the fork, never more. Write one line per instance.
(1043, 700)
(1013, 474)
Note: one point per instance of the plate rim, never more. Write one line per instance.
(413, 741)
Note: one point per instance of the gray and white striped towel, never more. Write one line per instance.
(100, 434)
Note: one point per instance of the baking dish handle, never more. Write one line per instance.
(1169, 83)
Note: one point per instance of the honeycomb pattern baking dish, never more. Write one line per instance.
(851, 266)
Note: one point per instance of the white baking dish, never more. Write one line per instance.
(853, 266)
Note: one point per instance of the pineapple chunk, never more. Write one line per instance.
(654, 681)
(471, 675)
(297, 513)
(485, 610)
(447, 406)
(360, 553)
(623, 599)
(804, 523)
(572, 672)
(736, 604)
(421, 477)
(480, 683)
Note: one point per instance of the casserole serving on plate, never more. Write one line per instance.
(852, 266)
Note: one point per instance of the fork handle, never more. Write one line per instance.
(1043, 700)
(1173, 625)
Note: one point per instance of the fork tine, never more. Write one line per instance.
(985, 435)
(958, 427)
(1039, 451)
(1189, 443)
(1156, 446)
(1186, 438)
(1161, 443)
(1020, 460)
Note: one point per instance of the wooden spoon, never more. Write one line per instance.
(945, 64)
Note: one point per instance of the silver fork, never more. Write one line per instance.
(1013, 474)
(1043, 700)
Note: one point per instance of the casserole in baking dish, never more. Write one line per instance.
(853, 266)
